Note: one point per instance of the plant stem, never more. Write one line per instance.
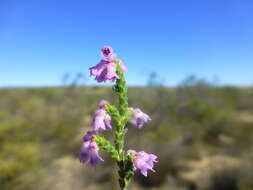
(121, 90)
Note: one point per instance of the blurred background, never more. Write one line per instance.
(190, 68)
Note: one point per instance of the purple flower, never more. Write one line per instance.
(89, 136)
(102, 104)
(106, 69)
(138, 117)
(102, 120)
(143, 161)
(90, 153)
(108, 54)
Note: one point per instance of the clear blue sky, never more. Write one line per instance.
(40, 40)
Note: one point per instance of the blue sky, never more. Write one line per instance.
(40, 40)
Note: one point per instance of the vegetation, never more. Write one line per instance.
(201, 133)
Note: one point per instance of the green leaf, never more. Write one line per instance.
(112, 110)
(107, 146)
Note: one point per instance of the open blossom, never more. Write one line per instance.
(138, 117)
(106, 68)
(101, 119)
(107, 53)
(90, 150)
(143, 161)
(110, 56)
(104, 71)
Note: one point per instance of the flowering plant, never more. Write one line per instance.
(112, 69)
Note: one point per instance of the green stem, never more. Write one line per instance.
(121, 90)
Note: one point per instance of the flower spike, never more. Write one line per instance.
(110, 68)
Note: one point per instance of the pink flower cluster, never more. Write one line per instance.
(102, 121)
(106, 68)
